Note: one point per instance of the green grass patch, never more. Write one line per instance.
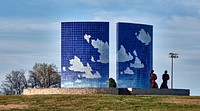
(99, 102)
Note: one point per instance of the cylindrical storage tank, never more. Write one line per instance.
(84, 54)
(134, 55)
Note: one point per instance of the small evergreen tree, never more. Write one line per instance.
(112, 83)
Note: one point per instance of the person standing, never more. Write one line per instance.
(165, 78)
(153, 78)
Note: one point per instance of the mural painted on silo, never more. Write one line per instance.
(134, 55)
(84, 54)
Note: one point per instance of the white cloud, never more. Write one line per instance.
(143, 37)
(90, 75)
(87, 37)
(27, 25)
(77, 65)
(135, 53)
(92, 59)
(123, 56)
(64, 68)
(87, 69)
(137, 63)
(78, 81)
(103, 49)
(128, 71)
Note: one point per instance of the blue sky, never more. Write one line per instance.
(30, 32)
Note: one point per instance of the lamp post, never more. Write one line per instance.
(172, 55)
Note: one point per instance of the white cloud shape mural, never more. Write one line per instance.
(87, 37)
(91, 76)
(64, 68)
(137, 63)
(92, 59)
(143, 37)
(135, 53)
(123, 56)
(87, 69)
(103, 49)
(128, 71)
(77, 66)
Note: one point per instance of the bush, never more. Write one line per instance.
(112, 83)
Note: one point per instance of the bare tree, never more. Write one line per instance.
(14, 82)
(44, 76)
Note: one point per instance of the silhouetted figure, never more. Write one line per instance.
(165, 78)
(153, 78)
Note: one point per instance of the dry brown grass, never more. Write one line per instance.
(13, 106)
(99, 102)
(183, 101)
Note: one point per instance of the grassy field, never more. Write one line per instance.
(99, 102)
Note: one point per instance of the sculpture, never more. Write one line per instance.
(165, 78)
(153, 78)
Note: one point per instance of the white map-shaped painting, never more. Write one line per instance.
(103, 48)
(143, 36)
(137, 63)
(123, 56)
(77, 66)
(128, 71)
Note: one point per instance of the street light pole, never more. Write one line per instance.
(172, 76)
(172, 55)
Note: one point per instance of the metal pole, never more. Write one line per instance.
(172, 74)
(172, 55)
